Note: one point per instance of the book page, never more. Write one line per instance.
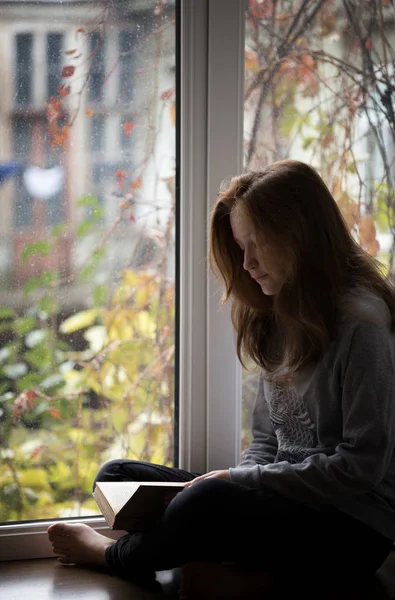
(117, 493)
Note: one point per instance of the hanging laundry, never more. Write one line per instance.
(43, 183)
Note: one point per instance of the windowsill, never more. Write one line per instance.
(30, 540)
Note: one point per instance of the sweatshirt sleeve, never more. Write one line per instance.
(263, 447)
(364, 455)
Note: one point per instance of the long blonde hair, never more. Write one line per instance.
(290, 205)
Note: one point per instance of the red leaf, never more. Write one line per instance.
(308, 61)
(89, 112)
(24, 402)
(37, 451)
(166, 94)
(128, 128)
(70, 52)
(53, 108)
(261, 9)
(68, 71)
(64, 90)
(121, 176)
(55, 413)
(137, 183)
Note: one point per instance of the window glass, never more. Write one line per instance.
(319, 84)
(97, 48)
(54, 61)
(87, 294)
(23, 69)
(127, 43)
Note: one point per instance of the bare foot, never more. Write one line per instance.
(76, 543)
(214, 581)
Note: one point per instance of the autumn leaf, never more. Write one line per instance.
(261, 9)
(128, 128)
(58, 135)
(349, 209)
(120, 176)
(308, 61)
(136, 183)
(89, 112)
(55, 413)
(250, 61)
(37, 451)
(64, 90)
(81, 30)
(327, 139)
(173, 113)
(166, 94)
(368, 44)
(24, 402)
(68, 71)
(367, 235)
(71, 52)
(61, 136)
(53, 108)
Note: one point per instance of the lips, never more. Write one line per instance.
(260, 277)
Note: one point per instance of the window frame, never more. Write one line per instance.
(210, 149)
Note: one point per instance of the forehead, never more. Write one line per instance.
(241, 224)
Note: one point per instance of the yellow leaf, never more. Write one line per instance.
(173, 113)
(250, 61)
(36, 479)
(145, 324)
(80, 320)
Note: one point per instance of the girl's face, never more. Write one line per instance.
(261, 263)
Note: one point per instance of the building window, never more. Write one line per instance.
(126, 66)
(96, 140)
(97, 44)
(24, 69)
(54, 61)
(23, 202)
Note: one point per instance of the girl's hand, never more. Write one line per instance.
(213, 474)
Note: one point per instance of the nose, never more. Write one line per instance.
(250, 261)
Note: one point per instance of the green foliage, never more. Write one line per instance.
(65, 412)
(385, 211)
(42, 248)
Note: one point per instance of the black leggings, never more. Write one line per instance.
(215, 520)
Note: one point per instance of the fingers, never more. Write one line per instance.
(197, 479)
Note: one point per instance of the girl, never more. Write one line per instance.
(314, 496)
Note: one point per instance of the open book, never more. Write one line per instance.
(133, 505)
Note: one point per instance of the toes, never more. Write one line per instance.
(61, 543)
(61, 549)
(57, 530)
(66, 560)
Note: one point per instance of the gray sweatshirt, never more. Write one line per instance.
(331, 438)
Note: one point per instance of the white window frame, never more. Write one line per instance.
(211, 149)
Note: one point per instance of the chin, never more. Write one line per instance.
(270, 288)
